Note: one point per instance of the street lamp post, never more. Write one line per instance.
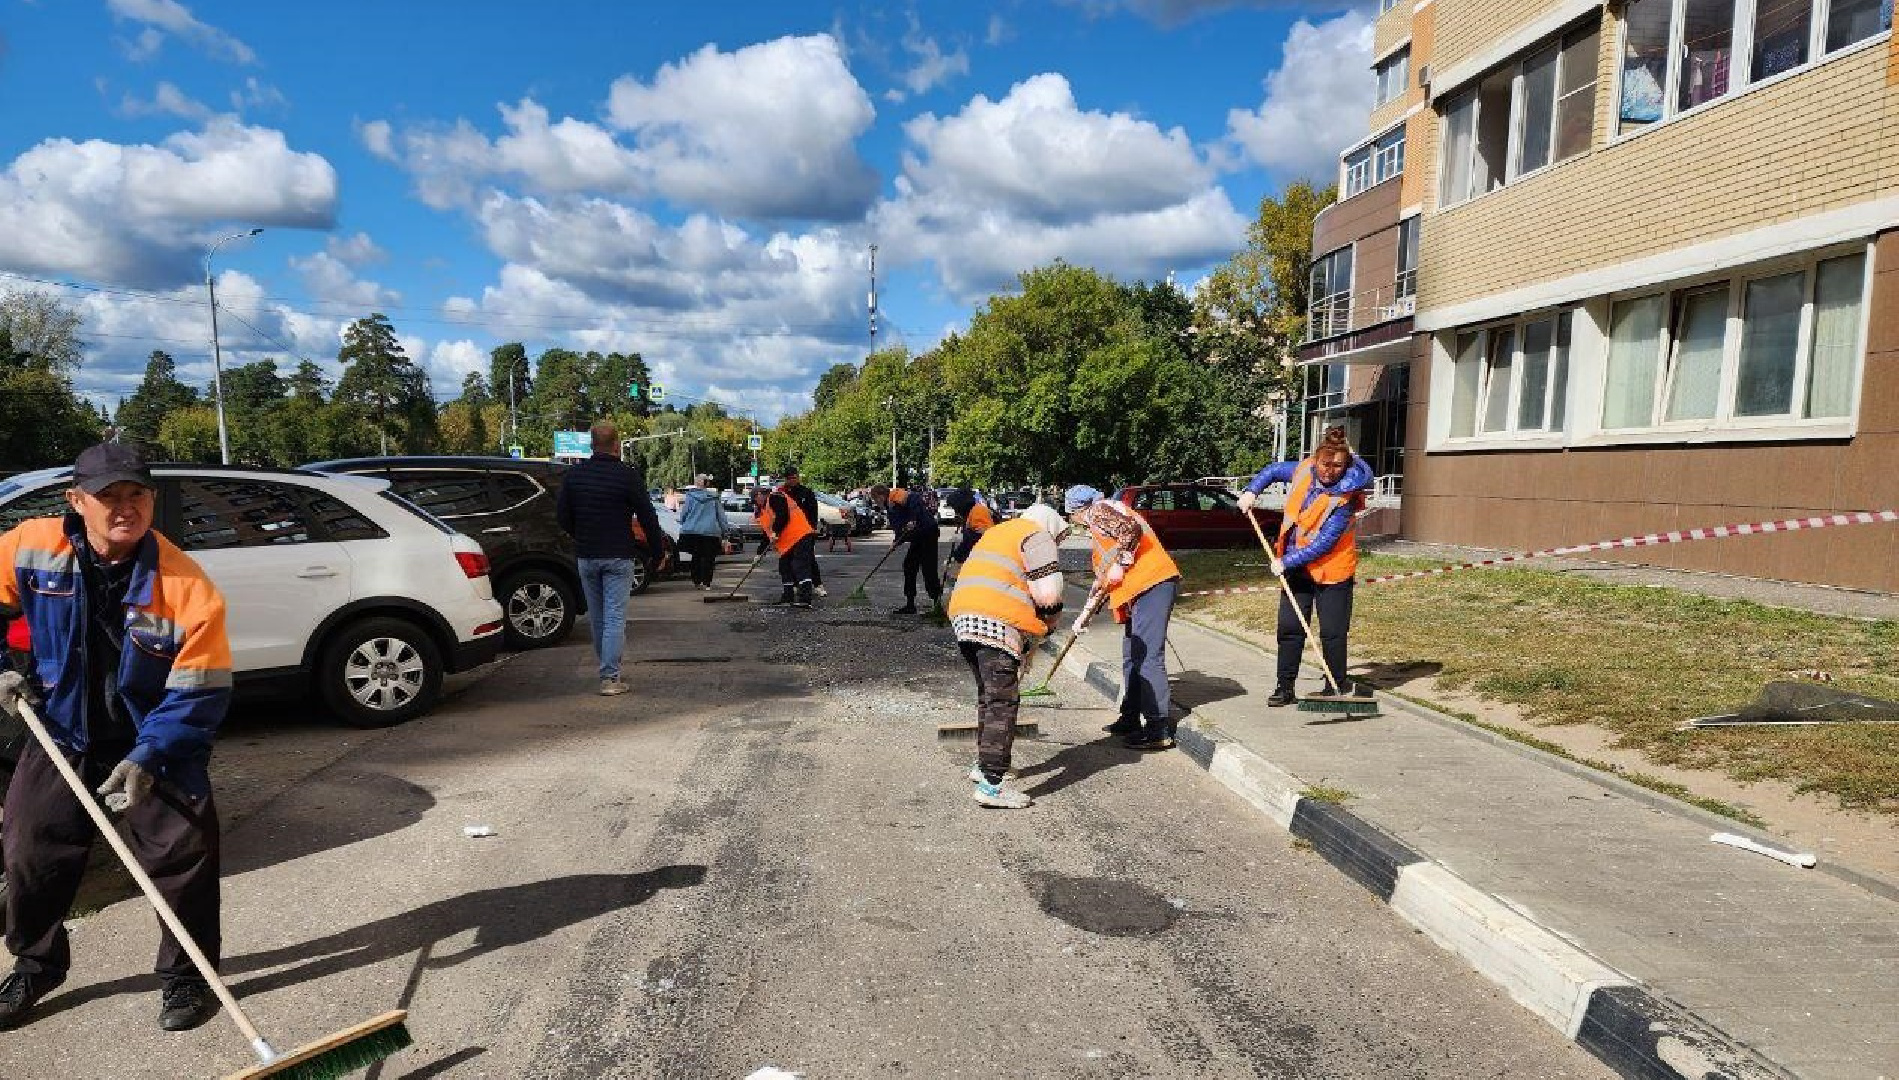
(891, 404)
(217, 353)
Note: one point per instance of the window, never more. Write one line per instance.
(1511, 377)
(1779, 345)
(1499, 363)
(1393, 73)
(1407, 284)
(1529, 113)
(46, 502)
(216, 512)
(1386, 5)
(1156, 499)
(339, 521)
(450, 494)
(1464, 392)
(512, 489)
(1374, 163)
(1330, 313)
(1357, 172)
(1681, 54)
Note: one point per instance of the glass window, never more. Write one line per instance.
(1694, 375)
(448, 494)
(1535, 132)
(1331, 309)
(1838, 287)
(1388, 157)
(1707, 52)
(1539, 343)
(1393, 73)
(1770, 345)
(1491, 152)
(1576, 93)
(1157, 499)
(1407, 284)
(1502, 359)
(1358, 171)
(1464, 392)
(1559, 375)
(512, 489)
(1628, 399)
(1644, 62)
(339, 521)
(46, 502)
(218, 512)
(1460, 130)
(1849, 21)
(1782, 29)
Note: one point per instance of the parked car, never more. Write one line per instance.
(332, 584)
(837, 516)
(944, 513)
(1197, 515)
(738, 513)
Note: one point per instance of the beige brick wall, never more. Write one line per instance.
(1464, 27)
(1819, 141)
(1391, 28)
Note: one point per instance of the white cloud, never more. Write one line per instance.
(378, 139)
(1317, 100)
(167, 99)
(998, 32)
(257, 96)
(139, 214)
(932, 67)
(160, 17)
(355, 249)
(329, 278)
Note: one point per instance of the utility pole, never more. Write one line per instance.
(217, 352)
(873, 297)
(891, 404)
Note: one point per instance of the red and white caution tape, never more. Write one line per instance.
(1872, 517)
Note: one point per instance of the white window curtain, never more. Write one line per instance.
(1770, 345)
(1559, 375)
(1460, 127)
(1694, 378)
(1503, 346)
(1837, 292)
(1533, 399)
(1628, 399)
(1469, 370)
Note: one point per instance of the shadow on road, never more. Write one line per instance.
(501, 917)
(1077, 763)
(1196, 689)
(333, 807)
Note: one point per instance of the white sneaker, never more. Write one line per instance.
(613, 687)
(1000, 797)
(819, 589)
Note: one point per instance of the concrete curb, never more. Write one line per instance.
(1607, 1013)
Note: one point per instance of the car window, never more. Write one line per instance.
(1156, 499)
(740, 505)
(46, 502)
(511, 489)
(448, 494)
(1211, 499)
(216, 512)
(341, 521)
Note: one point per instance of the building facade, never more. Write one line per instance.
(1656, 278)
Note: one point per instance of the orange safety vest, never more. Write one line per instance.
(979, 519)
(787, 537)
(995, 580)
(1340, 563)
(1152, 565)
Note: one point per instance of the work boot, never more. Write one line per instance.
(185, 1003)
(1281, 697)
(20, 991)
(1127, 725)
(790, 596)
(909, 608)
(804, 595)
(1000, 796)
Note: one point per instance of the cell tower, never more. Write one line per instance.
(873, 296)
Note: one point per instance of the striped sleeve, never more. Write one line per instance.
(1041, 563)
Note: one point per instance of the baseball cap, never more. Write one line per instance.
(99, 467)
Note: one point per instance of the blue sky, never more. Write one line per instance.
(699, 183)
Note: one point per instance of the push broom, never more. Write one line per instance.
(1088, 609)
(1337, 701)
(858, 594)
(733, 597)
(329, 1058)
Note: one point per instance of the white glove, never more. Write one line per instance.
(14, 689)
(1279, 567)
(1247, 499)
(128, 786)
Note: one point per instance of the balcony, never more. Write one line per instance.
(1372, 326)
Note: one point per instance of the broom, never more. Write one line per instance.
(1336, 701)
(733, 597)
(1088, 609)
(859, 593)
(329, 1058)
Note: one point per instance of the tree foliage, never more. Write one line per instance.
(42, 420)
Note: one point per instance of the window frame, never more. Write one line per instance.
(1471, 95)
(1562, 341)
(1399, 59)
(1328, 301)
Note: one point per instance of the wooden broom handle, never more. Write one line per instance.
(1312, 639)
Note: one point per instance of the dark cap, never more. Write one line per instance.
(99, 467)
(790, 471)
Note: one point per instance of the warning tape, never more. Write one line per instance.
(1872, 517)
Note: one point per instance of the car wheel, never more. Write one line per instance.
(380, 672)
(539, 607)
(642, 576)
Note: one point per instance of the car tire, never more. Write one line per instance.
(380, 672)
(538, 609)
(643, 576)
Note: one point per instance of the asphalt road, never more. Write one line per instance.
(763, 856)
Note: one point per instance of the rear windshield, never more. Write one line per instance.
(416, 510)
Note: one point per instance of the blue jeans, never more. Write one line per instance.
(607, 583)
(1144, 694)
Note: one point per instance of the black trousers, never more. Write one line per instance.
(48, 836)
(921, 556)
(799, 566)
(1333, 604)
(705, 555)
(998, 699)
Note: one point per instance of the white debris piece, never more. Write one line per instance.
(476, 832)
(773, 1072)
(1791, 858)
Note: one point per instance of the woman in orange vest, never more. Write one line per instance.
(1142, 582)
(1316, 552)
(788, 525)
(1010, 590)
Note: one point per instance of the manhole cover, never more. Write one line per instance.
(1106, 906)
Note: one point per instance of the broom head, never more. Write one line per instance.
(1357, 701)
(336, 1056)
(726, 599)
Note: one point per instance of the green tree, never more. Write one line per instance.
(40, 325)
(836, 379)
(390, 391)
(465, 420)
(191, 434)
(42, 420)
(159, 394)
(508, 367)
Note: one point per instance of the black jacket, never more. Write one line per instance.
(599, 500)
(806, 500)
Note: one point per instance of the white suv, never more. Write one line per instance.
(330, 583)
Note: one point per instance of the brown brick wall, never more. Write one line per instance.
(1369, 211)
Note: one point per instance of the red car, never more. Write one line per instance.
(1197, 516)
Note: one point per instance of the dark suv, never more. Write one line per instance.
(507, 506)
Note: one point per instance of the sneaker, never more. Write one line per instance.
(1150, 740)
(1122, 727)
(1281, 697)
(613, 687)
(804, 596)
(789, 597)
(819, 589)
(19, 992)
(1000, 797)
(184, 1004)
(976, 776)
(907, 609)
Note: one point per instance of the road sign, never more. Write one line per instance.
(572, 444)
(755, 442)
(754, 468)
(656, 393)
(516, 450)
(633, 390)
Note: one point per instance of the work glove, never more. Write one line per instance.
(128, 786)
(1279, 567)
(1247, 499)
(14, 689)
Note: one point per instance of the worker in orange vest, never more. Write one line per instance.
(973, 517)
(1317, 553)
(1142, 582)
(1010, 591)
(791, 528)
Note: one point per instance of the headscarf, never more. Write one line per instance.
(1046, 519)
(1079, 496)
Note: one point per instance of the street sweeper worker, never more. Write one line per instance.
(790, 523)
(975, 519)
(132, 676)
(913, 522)
(1010, 592)
(1142, 583)
(1316, 551)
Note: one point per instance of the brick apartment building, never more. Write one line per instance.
(1656, 277)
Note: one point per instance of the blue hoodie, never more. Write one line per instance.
(701, 514)
(1358, 477)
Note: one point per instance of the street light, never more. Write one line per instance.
(217, 354)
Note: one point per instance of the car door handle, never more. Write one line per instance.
(316, 572)
(498, 529)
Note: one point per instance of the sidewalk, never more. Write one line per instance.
(1602, 907)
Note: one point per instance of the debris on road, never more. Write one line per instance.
(1803, 861)
(476, 832)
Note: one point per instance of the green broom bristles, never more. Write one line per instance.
(334, 1062)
